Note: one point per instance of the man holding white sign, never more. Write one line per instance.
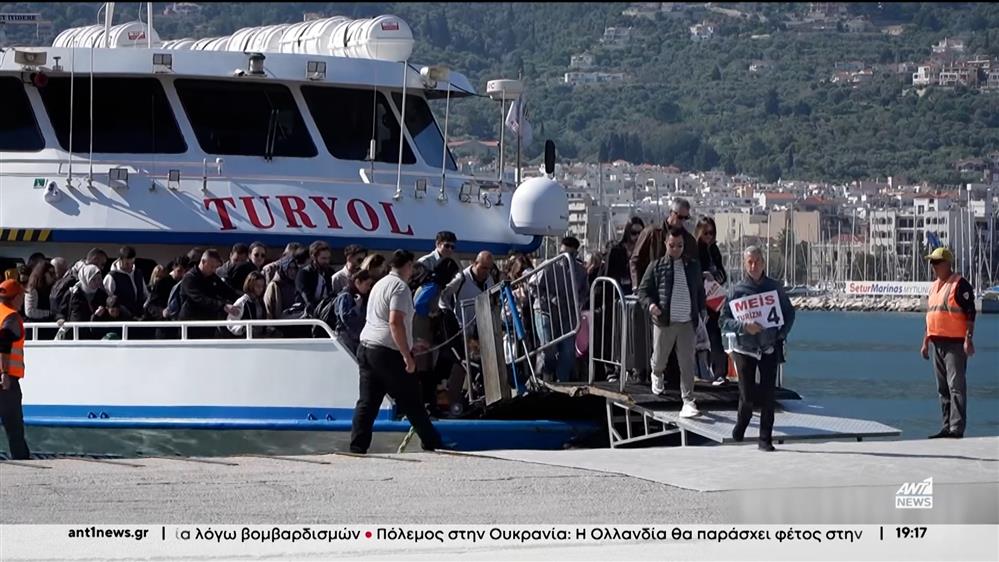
(760, 315)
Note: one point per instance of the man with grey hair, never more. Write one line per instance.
(760, 316)
(651, 243)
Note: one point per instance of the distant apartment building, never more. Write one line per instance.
(959, 75)
(616, 36)
(992, 79)
(904, 232)
(928, 75)
(805, 226)
(826, 10)
(579, 203)
(582, 61)
(586, 78)
(702, 31)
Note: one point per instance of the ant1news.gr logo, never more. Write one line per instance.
(915, 495)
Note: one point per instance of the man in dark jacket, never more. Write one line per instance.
(313, 282)
(761, 326)
(673, 292)
(235, 271)
(204, 295)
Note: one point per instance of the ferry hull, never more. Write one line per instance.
(224, 386)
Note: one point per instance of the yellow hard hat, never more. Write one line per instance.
(942, 254)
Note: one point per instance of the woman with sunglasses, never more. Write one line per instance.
(617, 267)
(712, 269)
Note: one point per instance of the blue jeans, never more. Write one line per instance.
(560, 358)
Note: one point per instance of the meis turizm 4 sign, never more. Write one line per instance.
(763, 308)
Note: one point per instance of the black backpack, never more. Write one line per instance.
(326, 312)
(59, 299)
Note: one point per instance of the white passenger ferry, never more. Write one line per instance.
(275, 134)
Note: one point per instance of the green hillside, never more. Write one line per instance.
(692, 104)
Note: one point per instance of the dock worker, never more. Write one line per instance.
(759, 343)
(950, 328)
(673, 293)
(385, 358)
(12, 367)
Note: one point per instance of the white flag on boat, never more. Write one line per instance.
(516, 120)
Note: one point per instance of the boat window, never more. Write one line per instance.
(18, 128)
(347, 119)
(130, 115)
(245, 118)
(423, 129)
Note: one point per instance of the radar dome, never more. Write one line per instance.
(540, 207)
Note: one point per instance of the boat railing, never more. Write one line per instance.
(62, 330)
(608, 328)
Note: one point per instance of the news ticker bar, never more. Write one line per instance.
(551, 542)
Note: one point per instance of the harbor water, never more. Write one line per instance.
(855, 364)
(867, 365)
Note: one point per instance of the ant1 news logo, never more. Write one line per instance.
(915, 495)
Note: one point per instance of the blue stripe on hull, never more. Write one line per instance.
(226, 239)
(467, 435)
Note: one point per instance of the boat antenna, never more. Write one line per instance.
(402, 132)
(108, 18)
(502, 126)
(72, 95)
(373, 143)
(90, 176)
(447, 109)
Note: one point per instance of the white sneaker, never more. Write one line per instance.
(719, 381)
(657, 385)
(689, 410)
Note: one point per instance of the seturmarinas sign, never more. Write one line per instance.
(888, 288)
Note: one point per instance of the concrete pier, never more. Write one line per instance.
(821, 483)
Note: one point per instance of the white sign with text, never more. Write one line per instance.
(762, 308)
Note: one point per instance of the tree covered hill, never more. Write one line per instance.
(693, 104)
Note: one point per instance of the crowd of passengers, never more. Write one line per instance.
(304, 283)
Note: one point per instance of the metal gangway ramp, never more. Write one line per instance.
(636, 415)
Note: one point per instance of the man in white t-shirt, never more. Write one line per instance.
(385, 358)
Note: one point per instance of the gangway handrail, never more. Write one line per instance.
(601, 282)
(184, 325)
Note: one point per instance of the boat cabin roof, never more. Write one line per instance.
(278, 67)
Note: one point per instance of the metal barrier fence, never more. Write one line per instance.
(548, 298)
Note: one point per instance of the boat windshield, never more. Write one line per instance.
(423, 128)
